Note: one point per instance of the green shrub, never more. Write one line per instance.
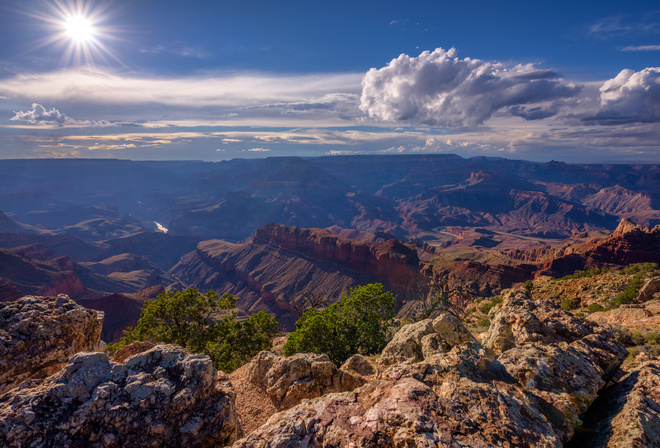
(486, 307)
(652, 337)
(184, 318)
(358, 323)
(484, 322)
(594, 307)
(622, 335)
(638, 338)
(569, 304)
(584, 274)
(528, 285)
(640, 271)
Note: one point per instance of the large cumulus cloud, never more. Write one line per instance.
(630, 97)
(438, 88)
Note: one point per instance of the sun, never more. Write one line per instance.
(82, 29)
(79, 29)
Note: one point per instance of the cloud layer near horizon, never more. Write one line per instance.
(440, 100)
(232, 89)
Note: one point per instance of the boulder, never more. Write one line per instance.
(650, 289)
(289, 380)
(358, 364)
(521, 320)
(162, 397)
(38, 335)
(420, 340)
(435, 406)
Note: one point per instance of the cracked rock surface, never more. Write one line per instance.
(159, 398)
(38, 335)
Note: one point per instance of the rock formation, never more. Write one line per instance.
(537, 378)
(38, 335)
(627, 414)
(549, 369)
(162, 397)
(280, 262)
(420, 340)
(649, 290)
(289, 380)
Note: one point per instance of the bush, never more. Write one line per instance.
(569, 304)
(358, 323)
(584, 274)
(652, 337)
(184, 318)
(622, 335)
(484, 322)
(486, 307)
(528, 285)
(638, 338)
(594, 307)
(640, 271)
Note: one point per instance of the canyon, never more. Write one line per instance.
(272, 230)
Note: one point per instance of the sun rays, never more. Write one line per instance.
(80, 29)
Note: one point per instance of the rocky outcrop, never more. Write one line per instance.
(162, 397)
(38, 335)
(620, 316)
(626, 414)
(629, 243)
(649, 290)
(289, 380)
(550, 368)
(420, 340)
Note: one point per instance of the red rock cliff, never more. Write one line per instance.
(392, 261)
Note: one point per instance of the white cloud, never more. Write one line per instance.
(641, 48)
(630, 97)
(257, 150)
(39, 115)
(177, 49)
(438, 88)
(234, 89)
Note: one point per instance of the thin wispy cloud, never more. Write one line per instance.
(233, 89)
(187, 51)
(641, 48)
(626, 25)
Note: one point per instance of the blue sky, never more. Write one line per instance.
(213, 80)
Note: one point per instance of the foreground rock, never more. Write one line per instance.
(289, 380)
(627, 414)
(550, 368)
(420, 340)
(162, 397)
(38, 335)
